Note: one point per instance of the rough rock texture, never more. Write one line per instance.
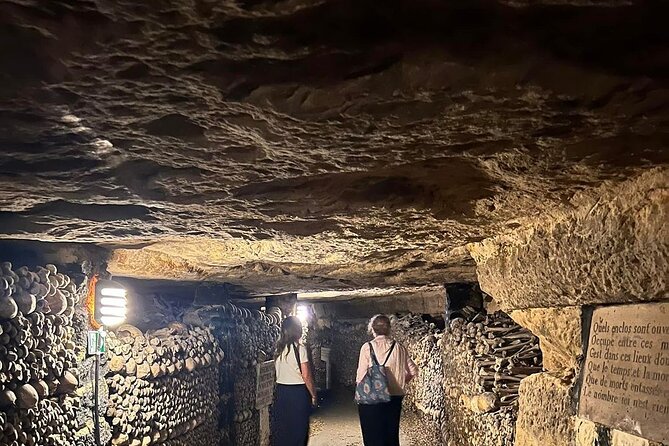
(559, 333)
(587, 433)
(611, 246)
(301, 143)
(546, 412)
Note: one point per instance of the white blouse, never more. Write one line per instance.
(287, 370)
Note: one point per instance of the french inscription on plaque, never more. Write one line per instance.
(626, 372)
(264, 384)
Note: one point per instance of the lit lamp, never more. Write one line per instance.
(110, 310)
(110, 303)
(302, 314)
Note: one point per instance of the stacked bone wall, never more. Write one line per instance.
(485, 357)
(248, 337)
(163, 386)
(45, 380)
(346, 339)
(424, 402)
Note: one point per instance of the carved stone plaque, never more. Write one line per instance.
(264, 384)
(626, 372)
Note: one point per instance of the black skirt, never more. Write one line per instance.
(291, 411)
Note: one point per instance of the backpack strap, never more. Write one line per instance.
(390, 352)
(297, 356)
(371, 351)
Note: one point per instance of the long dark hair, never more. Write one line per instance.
(291, 332)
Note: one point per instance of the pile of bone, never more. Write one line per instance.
(204, 435)
(481, 413)
(347, 339)
(37, 356)
(162, 384)
(247, 336)
(246, 429)
(317, 339)
(504, 353)
(244, 394)
(423, 341)
(157, 353)
(144, 412)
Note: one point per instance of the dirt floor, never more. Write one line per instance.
(336, 422)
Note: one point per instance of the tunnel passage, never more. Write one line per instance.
(494, 174)
(189, 366)
(178, 374)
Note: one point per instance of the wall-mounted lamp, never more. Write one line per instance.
(110, 303)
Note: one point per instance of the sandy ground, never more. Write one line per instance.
(336, 423)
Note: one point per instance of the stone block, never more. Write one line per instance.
(559, 332)
(608, 246)
(545, 412)
(619, 438)
(587, 432)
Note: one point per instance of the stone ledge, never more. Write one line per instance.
(610, 246)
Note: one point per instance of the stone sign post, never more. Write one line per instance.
(264, 396)
(626, 372)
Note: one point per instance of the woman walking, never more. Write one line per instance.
(295, 390)
(380, 422)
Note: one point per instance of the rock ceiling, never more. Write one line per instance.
(315, 145)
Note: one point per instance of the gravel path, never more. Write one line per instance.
(337, 424)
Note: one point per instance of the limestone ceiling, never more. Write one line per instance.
(315, 145)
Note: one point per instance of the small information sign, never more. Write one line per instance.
(265, 384)
(97, 342)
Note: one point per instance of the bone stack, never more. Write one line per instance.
(491, 354)
(346, 340)
(38, 357)
(163, 385)
(248, 337)
(504, 353)
(423, 341)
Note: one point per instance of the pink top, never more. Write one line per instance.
(400, 367)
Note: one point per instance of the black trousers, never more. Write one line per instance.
(380, 423)
(291, 411)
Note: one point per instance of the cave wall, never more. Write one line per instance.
(608, 246)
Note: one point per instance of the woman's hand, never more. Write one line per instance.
(314, 402)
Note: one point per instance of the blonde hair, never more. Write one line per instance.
(379, 325)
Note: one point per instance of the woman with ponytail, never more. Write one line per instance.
(295, 390)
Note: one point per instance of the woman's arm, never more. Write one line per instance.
(363, 363)
(411, 368)
(309, 381)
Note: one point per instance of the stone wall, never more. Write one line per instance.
(609, 245)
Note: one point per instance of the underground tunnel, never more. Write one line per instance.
(180, 178)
